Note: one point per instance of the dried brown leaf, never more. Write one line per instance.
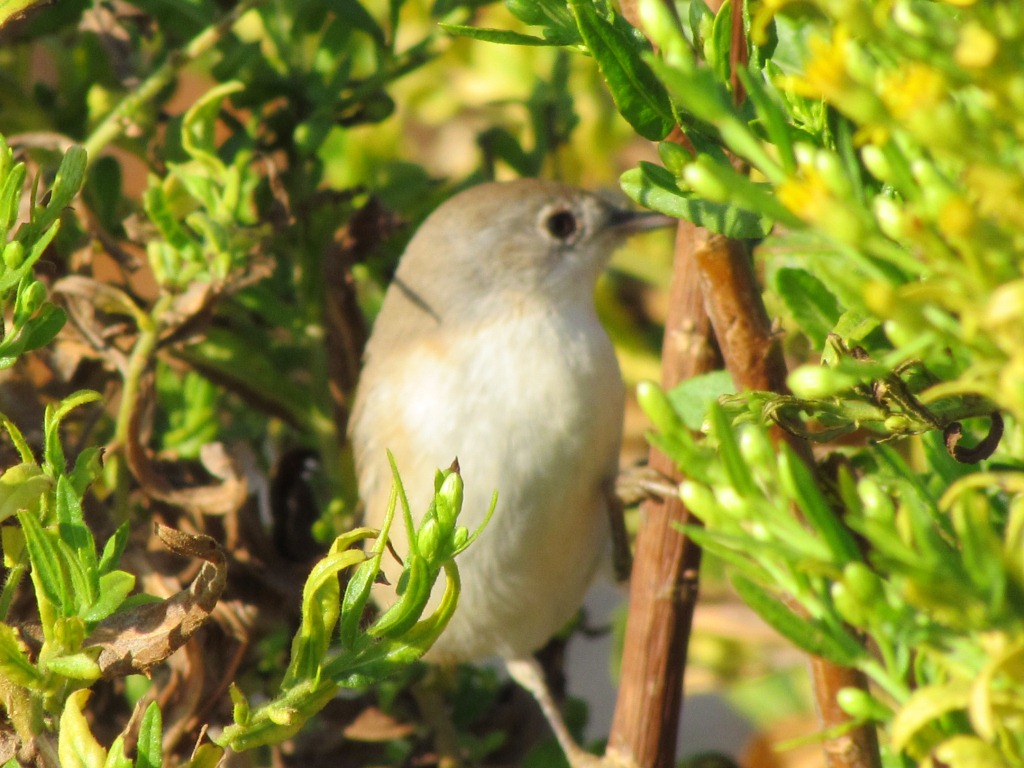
(134, 640)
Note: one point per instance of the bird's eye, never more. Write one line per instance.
(561, 225)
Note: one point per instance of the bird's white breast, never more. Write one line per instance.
(532, 407)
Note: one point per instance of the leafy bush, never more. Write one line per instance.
(870, 152)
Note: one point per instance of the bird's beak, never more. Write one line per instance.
(629, 222)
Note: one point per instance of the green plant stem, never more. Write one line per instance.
(138, 363)
(14, 577)
(129, 107)
(23, 710)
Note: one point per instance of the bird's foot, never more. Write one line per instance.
(634, 484)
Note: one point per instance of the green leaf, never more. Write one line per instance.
(20, 443)
(813, 307)
(114, 587)
(806, 634)
(772, 115)
(654, 187)
(71, 524)
(801, 486)
(554, 18)
(700, 18)
(692, 398)
(206, 756)
(44, 327)
(500, 36)
(48, 574)
(14, 662)
(21, 487)
(76, 746)
(926, 705)
(10, 196)
(53, 453)
(729, 453)
(113, 549)
(198, 127)
(69, 179)
(321, 598)
(37, 246)
(718, 45)
(84, 580)
(159, 211)
(963, 751)
(116, 757)
(638, 94)
(76, 666)
(87, 468)
(150, 747)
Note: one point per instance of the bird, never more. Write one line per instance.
(488, 348)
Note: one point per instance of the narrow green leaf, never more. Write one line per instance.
(801, 486)
(150, 747)
(10, 196)
(53, 452)
(198, 126)
(718, 45)
(87, 468)
(160, 213)
(772, 115)
(654, 187)
(321, 605)
(71, 524)
(48, 575)
(700, 18)
(638, 94)
(20, 443)
(114, 587)
(729, 451)
(357, 591)
(69, 179)
(812, 305)
(84, 579)
(807, 635)
(500, 36)
(113, 549)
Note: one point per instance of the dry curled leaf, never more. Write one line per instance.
(134, 640)
(985, 447)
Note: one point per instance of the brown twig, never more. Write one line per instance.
(663, 589)
(754, 359)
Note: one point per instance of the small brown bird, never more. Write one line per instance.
(488, 348)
